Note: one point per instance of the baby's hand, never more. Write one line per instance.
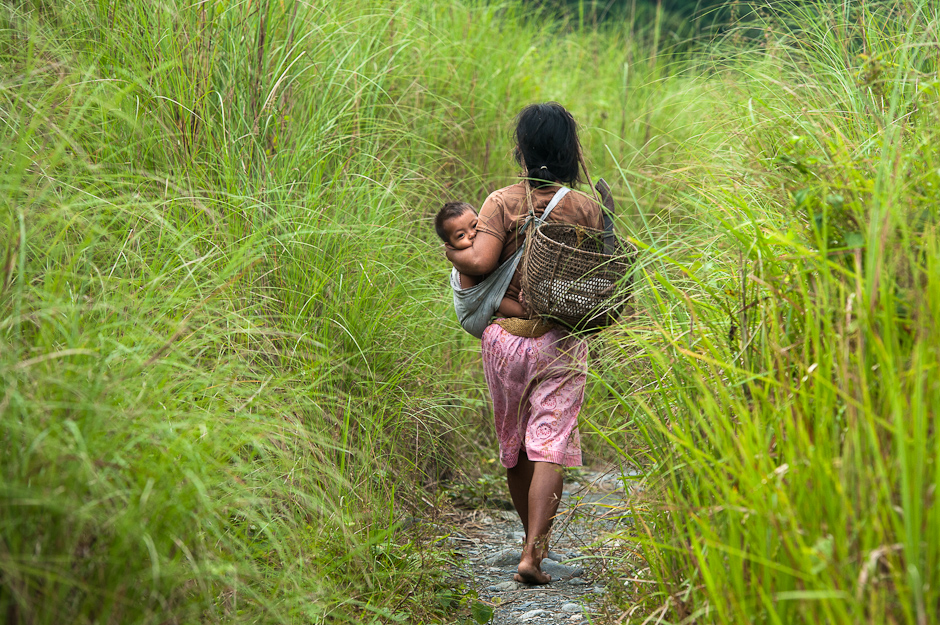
(461, 245)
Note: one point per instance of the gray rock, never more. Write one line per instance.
(534, 614)
(571, 607)
(560, 571)
(510, 557)
(504, 557)
(577, 581)
(599, 590)
(507, 586)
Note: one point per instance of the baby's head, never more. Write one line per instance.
(456, 224)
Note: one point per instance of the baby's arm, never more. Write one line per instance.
(480, 258)
(511, 308)
(467, 281)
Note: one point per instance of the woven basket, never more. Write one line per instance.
(567, 278)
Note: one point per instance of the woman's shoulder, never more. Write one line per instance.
(506, 200)
(583, 209)
(511, 202)
(501, 210)
(508, 195)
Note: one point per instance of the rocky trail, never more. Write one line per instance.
(588, 529)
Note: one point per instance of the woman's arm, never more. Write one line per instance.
(480, 258)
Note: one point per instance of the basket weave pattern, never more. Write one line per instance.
(568, 278)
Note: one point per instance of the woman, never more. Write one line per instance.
(535, 373)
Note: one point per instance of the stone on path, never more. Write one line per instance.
(560, 571)
(571, 606)
(506, 586)
(505, 557)
(534, 614)
(510, 557)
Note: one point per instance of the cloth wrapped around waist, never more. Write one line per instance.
(528, 328)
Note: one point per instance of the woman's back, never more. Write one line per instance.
(505, 210)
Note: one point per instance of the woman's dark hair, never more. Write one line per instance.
(547, 144)
(449, 211)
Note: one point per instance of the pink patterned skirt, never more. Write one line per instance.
(537, 386)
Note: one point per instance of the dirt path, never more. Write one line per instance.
(590, 517)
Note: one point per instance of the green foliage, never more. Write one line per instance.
(486, 491)
(210, 392)
(789, 448)
(481, 613)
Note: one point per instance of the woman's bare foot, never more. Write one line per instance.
(530, 572)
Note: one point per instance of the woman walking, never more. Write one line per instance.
(535, 372)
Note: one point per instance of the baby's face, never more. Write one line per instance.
(461, 230)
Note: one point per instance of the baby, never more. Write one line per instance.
(456, 224)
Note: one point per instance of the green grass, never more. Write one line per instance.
(216, 392)
(788, 435)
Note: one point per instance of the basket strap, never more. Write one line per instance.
(559, 194)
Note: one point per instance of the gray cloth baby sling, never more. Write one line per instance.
(475, 306)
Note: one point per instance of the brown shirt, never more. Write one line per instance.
(505, 211)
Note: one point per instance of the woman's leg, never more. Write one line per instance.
(536, 489)
(519, 479)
